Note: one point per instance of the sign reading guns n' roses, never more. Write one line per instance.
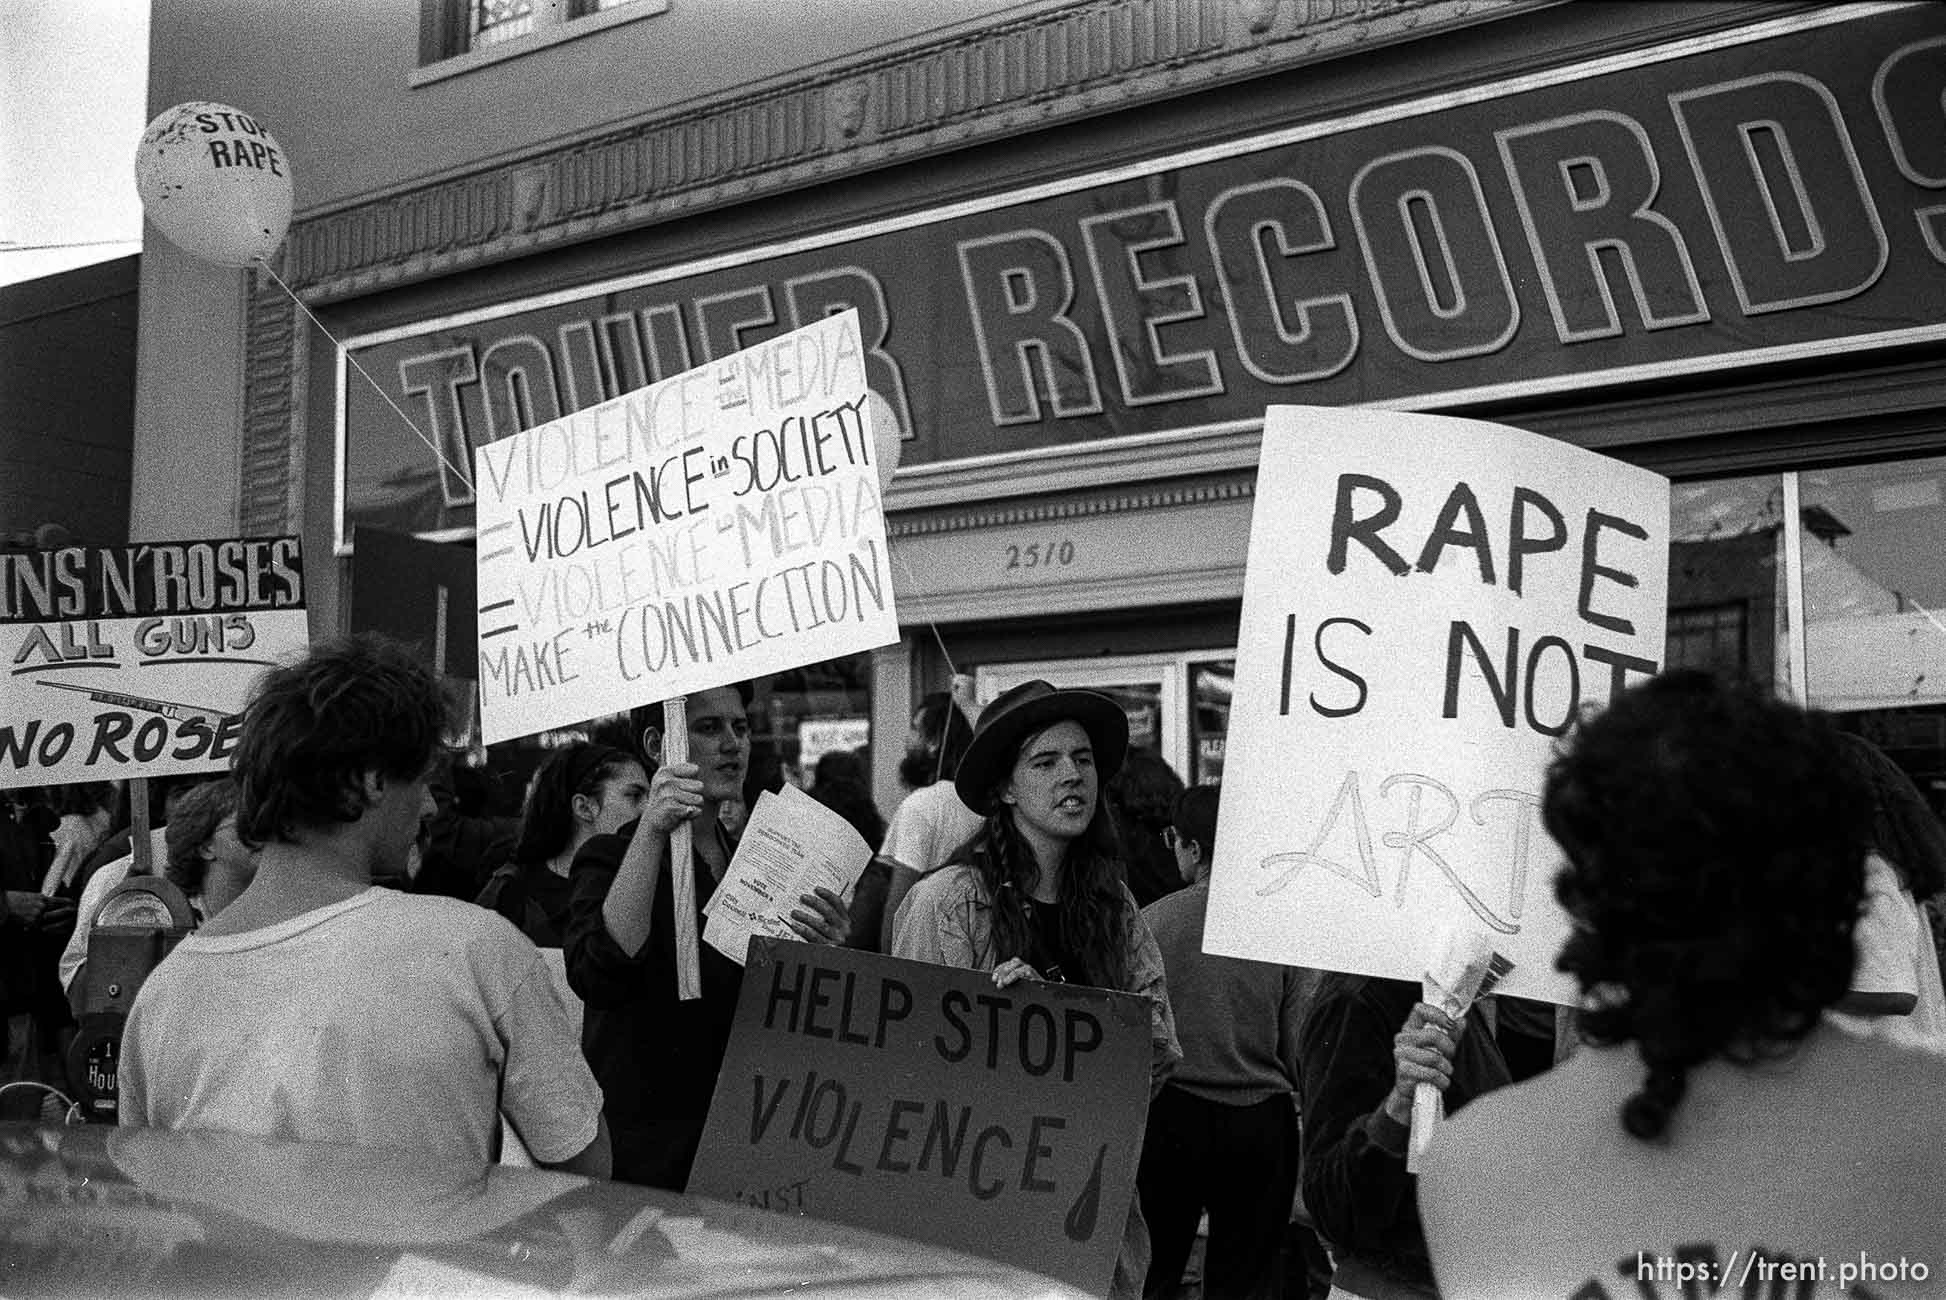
(124, 661)
(923, 1101)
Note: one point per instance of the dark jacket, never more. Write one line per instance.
(531, 896)
(655, 1056)
(1364, 1203)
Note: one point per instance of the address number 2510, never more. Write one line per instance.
(1055, 554)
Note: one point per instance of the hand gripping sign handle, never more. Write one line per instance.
(682, 868)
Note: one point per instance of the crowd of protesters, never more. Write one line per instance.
(1746, 886)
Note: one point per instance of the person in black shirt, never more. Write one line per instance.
(656, 1055)
(579, 792)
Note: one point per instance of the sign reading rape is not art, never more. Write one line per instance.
(1426, 609)
(716, 526)
(920, 1100)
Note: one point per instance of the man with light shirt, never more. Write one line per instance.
(320, 1007)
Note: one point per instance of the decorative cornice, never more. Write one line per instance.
(1143, 498)
(975, 87)
(991, 604)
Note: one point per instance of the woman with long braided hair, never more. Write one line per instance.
(1040, 893)
(1717, 1115)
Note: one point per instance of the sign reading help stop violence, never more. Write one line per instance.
(923, 1101)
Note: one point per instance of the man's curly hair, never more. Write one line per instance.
(314, 729)
(1715, 841)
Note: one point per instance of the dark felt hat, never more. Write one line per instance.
(1028, 708)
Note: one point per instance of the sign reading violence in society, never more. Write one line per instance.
(137, 660)
(921, 1100)
(715, 526)
(1428, 604)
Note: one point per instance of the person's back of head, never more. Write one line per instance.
(944, 734)
(838, 767)
(316, 730)
(1194, 817)
(853, 802)
(1715, 841)
(1143, 794)
(84, 798)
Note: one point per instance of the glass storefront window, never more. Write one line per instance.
(799, 716)
(1875, 607)
(1210, 686)
(1157, 692)
(1728, 611)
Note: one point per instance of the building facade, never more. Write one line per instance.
(67, 405)
(1089, 243)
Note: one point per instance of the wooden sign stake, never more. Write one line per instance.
(138, 826)
(682, 867)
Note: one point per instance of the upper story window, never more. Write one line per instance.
(489, 22)
(457, 35)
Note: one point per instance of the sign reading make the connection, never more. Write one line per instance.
(921, 1100)
(1427, 608)
(134, 661)
(712, 527)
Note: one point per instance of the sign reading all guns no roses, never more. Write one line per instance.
(922, 1101)
(1428, 604)
(715, 526)
(130, 661)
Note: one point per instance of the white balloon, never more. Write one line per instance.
(888, 440)
(215, 182)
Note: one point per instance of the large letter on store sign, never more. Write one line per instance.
(1910, 92)
(1784, 188)
(517, 380)
(1585, 185)
(1317, 336)
(1135, 305)
(1019, 286)
(438, 377)
(825, 293)
(1433, 255)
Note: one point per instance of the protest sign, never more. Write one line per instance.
(709, 528)
(1428, 603)
(790, 846)
(921, 1100)
(137, 660)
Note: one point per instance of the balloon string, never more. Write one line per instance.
(458, 473)
(946, 654)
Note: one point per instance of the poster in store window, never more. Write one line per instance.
(1426, 609)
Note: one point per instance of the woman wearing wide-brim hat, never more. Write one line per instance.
(1040, 892)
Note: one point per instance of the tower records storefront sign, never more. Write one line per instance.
(1775, 193)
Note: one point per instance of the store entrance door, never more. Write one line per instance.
(1178, 705)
